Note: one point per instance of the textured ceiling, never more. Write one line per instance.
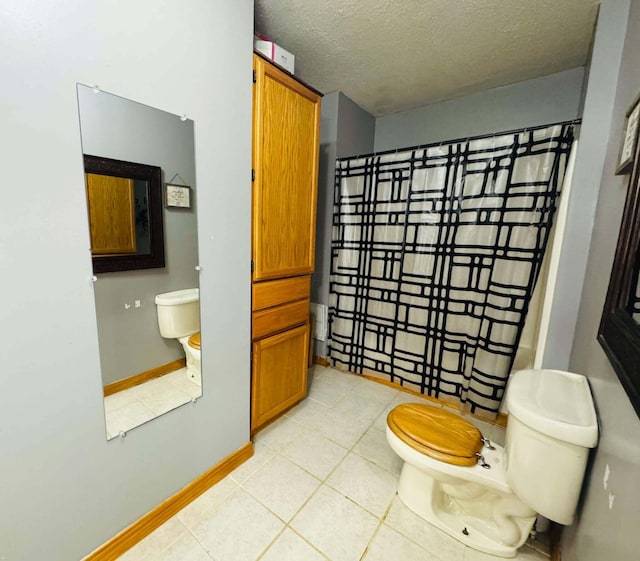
(393, 55)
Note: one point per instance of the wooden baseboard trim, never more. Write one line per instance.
(143, 377)
(142, 527)
(320, 360)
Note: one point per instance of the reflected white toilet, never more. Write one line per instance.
(179, 318)
(487, 496)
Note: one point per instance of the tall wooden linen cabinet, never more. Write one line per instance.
(286, 126)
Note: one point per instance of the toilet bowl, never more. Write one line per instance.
(179, 318)
(191, 346)
(487, 496)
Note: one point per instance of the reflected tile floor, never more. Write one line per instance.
(133, 407)
(320, 486)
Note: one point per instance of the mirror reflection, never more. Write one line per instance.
(633, 305)
(124, 202)
(148, 313)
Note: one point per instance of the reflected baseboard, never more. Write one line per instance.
(143, 377)
(140, 529)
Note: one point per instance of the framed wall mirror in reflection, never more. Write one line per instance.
(148, 365)
(619, 332)
(124, 202)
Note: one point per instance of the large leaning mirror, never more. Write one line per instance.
(619, 332)
(144, 252)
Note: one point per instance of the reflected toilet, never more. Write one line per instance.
(482, 494)
(179, 318)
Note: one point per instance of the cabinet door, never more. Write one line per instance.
(279, 377)
(286, 118)
(110, 201)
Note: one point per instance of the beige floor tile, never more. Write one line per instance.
(207, 503)
(341, 428)
(291, 547)
(186, 548)
(365, 483)
(374, 447)
(388, 544)
(324, 391)
(335, 525)
(369, 388)
(525, 553)
(339, 379)
(364, 408)
(261, 455)
(281, 486)
(162, 401)
(127, 417)
(309, 413)
(280, 433)
(238, 531)
(410, 525)
(315, 453)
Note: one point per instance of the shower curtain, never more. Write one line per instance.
(435, 254)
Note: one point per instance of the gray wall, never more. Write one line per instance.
(118, 128)
(590, 159)
(345, 130)
(600, 532)
(65, 489)
(549, 99)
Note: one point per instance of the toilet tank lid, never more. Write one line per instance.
(555, 403)
(178, 297)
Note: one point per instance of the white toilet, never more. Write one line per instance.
(487, 496)
(179, 318)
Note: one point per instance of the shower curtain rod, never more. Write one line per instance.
(457, 140)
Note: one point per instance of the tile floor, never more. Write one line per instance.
(320, 486)
(133, 407)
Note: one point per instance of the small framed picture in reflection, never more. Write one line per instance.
(178, 196)
(630, 138)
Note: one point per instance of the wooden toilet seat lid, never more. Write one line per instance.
(437, 433)
(194, 341)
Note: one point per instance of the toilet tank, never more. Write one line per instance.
(552, 425)
(178, 313)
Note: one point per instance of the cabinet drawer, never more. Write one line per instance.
(272, 293)
(279, 318)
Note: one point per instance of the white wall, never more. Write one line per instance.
(65, 489)
(600, 532)
(540, 101)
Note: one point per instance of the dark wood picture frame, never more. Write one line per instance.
(629, 138)
(619, 334)
(153, 176)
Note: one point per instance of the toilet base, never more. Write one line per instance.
(192, 356)
(481, 518)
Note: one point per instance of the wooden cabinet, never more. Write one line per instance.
(286, 125)
(279, 373)
(280, 346)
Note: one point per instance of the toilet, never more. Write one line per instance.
(487, 496)
(179, 318)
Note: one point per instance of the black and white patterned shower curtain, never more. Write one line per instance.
(435, 254)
